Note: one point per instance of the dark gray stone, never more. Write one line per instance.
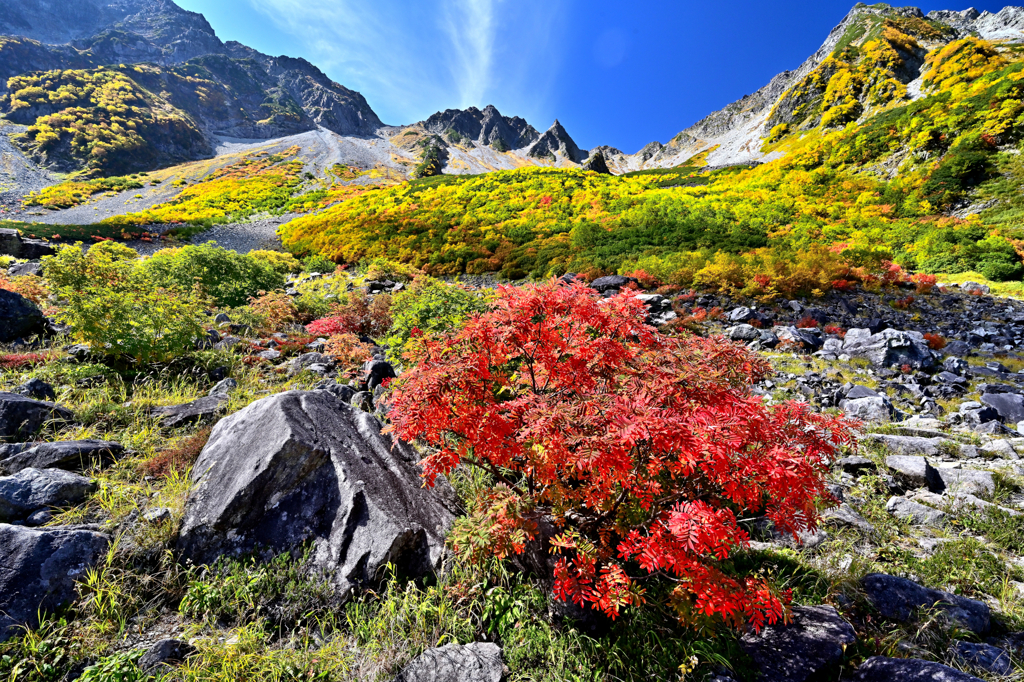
(476, 662)
(30, 490)
(224, 387)
(845, 515)
(606, 284)
(269, 354)
(899, 599)
(742, 332)
(36, 389)
(305, 360)
(19, 317)
(39, 570)
(983, 656)
(200, 411)
(22, 417)
(856, 465)
(342, 392)
(1010, 406)
(164, 655)
(881, 669)
(25, 269)
(303, 467)
(741, 314)
(72, 455)
(862, 392)
(808, 648)
(375, 372)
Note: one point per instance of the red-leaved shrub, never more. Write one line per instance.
(179, 457)
(935, 341)
(835, 330)
(924, 283)
(19, 360)
(643, 449)
(807, 322)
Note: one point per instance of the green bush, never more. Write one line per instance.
(121, 667)
(281, 262)
(111, 303)
(228, 278)
(318, 263)
(430, 306)
(381, 269)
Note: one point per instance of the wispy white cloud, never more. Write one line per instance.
(413, 58)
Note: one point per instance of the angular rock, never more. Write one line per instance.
(801, 338)
(375, 372)
(909, 445)
(984, 656)
(30, 490)
(164, 655)
(25, 269)
(72, 455)
(856, 465)
(913, 470)
(476, 662)
(968, 481)
(36, 389)
(845, 515)
(39, 571)
(304, 361)
(605, 284)
(199, 411)
(303, 467)
(741, 314)
(19, 317)
(889, 348)
(808, 648)
(269, 354)
(917, 514)
(1010, 406)
(899, 599)
(223, 387)
(862, 392)
(742, 332)
(22, 417)
(871, 410)
(881, 669)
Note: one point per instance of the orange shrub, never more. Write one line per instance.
(807, 322)
(348, 351)
(179, 457)
(925, 283)
(276, 309)
(935, 341)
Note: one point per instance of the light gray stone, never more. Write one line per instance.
(915, 513)
(476, 662)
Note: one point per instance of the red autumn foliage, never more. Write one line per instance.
(643, 449)
(904, 303)
(843, 285)
(19, 360)
(358, 314)
(179, 457)
(935, 341)
(835, 330)
(645, 279)
(807, 322)
(925, 283)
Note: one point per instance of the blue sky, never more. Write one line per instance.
(613, 72)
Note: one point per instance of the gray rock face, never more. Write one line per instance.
(72, 455)
(967, 481)
(871, 410)
(609, 282)
(914, 470)
(476, 662)
(909, 445)
(37, 389)
(743, 332)
(914, 512)
(22, 417)
(881, 669)
(889, 348)
(301, 467)
(1010, 406)
(19, 317)
(845, 515)
(165, 654)
(899, 598)
(806, 649)
(376, 372)
(32, 489)
(198, 411)
(39, 571)
(984, 656)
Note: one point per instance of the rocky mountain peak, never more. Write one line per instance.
(486, 128)
(557, 141)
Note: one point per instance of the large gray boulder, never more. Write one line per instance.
(609, 282)
(1010, 406)
(809, 647)
(871, 410)
(881, 669)
(909, 445)
(912, 469)
(983, 656)
(899, 599)
(963, 481)
(32, 489)
(914, 512)
(39, 570)
(889, 348)
(476, 662)
(72, 455)
(19, 317)
(22, 417)
(303, 467)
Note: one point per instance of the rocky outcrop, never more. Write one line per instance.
(899, 599)
(200, 411)
(19, 317)
(74, 455)
(808, 648)
(881, 669)
(22, 417)
(890, 348)
(482, 127)
(39, 571)
(554, 143)
(302, 467)
(30, 490)
(476, 662)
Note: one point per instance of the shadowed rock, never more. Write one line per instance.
(899, 599)
(22, 417)
(73, 455)
(806, 649)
